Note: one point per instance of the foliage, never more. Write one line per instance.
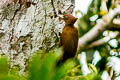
(6, 73)
(44, 67)
(110, 49)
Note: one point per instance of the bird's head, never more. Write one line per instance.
(68, 18)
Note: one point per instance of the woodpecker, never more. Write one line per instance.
(68, 37)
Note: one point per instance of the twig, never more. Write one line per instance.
(101, 26)
(103, 40)
(115, 25)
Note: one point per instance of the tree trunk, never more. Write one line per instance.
(23, 30)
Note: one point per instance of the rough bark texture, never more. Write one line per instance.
(26, 30)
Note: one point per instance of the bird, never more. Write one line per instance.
(68, 37)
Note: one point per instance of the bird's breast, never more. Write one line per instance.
(69, 39)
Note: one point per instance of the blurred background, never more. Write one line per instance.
(107, 54)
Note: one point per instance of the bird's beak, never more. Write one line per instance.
(61, 16)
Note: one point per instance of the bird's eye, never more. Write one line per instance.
(65, 17)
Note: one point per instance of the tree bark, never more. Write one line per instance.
(23, 30)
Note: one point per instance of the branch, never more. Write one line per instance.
(115, 25)
(103, 40)
(101, 26)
